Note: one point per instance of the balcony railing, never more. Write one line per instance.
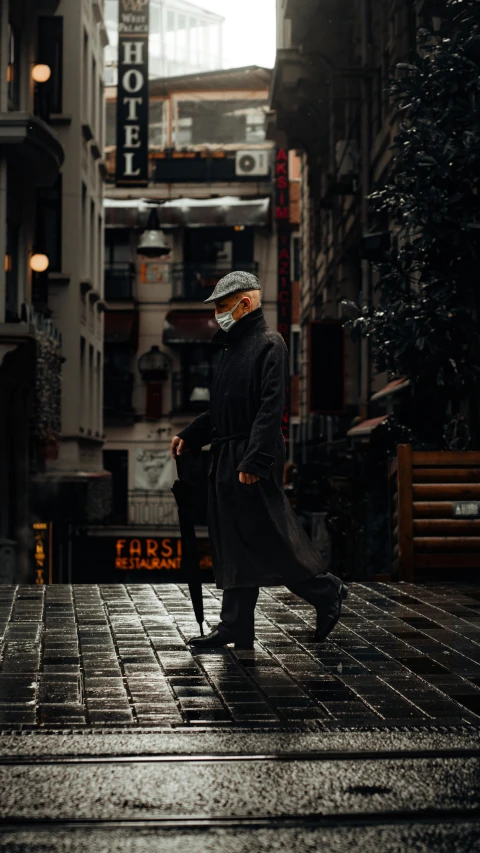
(156, 509)
(196, 281)
(119, 281)
(182, 389)
(117, 394)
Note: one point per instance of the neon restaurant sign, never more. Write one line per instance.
(156, 554)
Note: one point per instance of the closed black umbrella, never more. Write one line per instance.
(183, 491)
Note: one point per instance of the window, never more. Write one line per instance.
(11, 273)
(13, 70)
(99, 391)
(153, 408)
(296, 353)
(111, 123)
(93, 247)
(181, 51)
(85, 76)
(219, 122)
(100, 249)
(117, 246)
(91, 389)
(49, 224)
(93, 102)
(193, 35)
(84, 229)
(156, 124)
(296, 259)
(170, 36)
(119, 269)
(116, 461)
(50, 52)
(82, 381)
(155, 24)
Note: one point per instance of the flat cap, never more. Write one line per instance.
(233, 282)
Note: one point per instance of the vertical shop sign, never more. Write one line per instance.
(284, 287)
(132, 93)
(42, 534)
(281, 186)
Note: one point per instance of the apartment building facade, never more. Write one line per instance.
(330, 103)
(51, 284)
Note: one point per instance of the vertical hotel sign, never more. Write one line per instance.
(284, 288)
(132, 94)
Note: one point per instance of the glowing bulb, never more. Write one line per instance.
(41, 73)
(39, 262)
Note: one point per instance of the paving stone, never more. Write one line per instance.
(400, 654)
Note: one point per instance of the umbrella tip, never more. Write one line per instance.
(201, 629)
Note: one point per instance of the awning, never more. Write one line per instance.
(189, 327)
(191, 212)
(364, 428)
(121, 327)
(391, 388)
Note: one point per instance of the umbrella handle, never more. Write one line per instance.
(178, 461)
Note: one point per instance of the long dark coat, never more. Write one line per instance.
(256, 539)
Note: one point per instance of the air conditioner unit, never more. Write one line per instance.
(250, 163)
(346, 157)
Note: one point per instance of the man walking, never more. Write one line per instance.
(256, 538)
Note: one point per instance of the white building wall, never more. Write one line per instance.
(76, 293)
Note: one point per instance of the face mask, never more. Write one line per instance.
(225, 319)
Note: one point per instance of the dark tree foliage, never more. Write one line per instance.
(426, 323)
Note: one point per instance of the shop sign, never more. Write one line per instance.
(42, 534)
(466, 509)
(282, 205)
(132, 93)
(155, 272)
(157, 554)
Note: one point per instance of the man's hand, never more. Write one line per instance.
(247, 478)
(178, 446)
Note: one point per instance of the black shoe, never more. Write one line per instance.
(214, 640)
(326, 626)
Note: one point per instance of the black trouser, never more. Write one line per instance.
(238, 605)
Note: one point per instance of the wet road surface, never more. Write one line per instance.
(114, 735)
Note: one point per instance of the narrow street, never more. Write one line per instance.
(114, 735)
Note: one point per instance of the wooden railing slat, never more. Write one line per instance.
(446, 475)
(445, 526)
(446, 561)
(405, 510)
(432, 509)
(446, 543)
(451, 491)
(445, 457)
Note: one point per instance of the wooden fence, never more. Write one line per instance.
(434, 501)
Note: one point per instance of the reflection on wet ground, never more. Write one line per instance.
(116, 655)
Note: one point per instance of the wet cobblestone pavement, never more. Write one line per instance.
(114, 736)
(101, 656)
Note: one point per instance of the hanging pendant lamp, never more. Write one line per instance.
(152, 242)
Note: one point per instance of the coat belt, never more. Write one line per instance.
(219, 439)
